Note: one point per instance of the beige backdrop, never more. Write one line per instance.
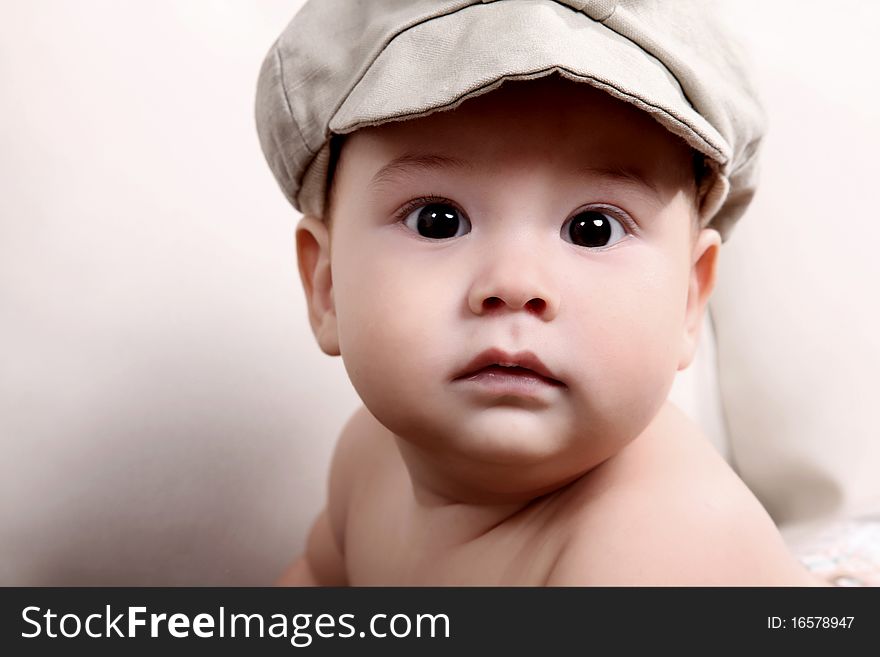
(165, 416)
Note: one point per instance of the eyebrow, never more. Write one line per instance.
(619, 173)
(406, 163)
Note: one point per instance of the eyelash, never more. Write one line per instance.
(629, 224)
(403, 213)
(623, 217)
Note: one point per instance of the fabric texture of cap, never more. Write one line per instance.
(344, 64)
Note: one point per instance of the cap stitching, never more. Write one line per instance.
(582, 8)
(385, 45)
(366, 68)
(650, 52)
(608, 17)
(603, 22)
(287, 101)
(514, 76)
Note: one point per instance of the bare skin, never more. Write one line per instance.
(641, 518)
(596, 480)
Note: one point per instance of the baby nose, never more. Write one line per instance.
(514, 286)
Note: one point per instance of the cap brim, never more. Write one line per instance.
(439, 63)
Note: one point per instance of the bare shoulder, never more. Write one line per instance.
(354, 453)
(668, 510)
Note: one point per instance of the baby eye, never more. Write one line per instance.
(437, 221)
(593, 229)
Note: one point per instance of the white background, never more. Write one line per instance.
(165, 415)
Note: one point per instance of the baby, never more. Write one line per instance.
(512, 218)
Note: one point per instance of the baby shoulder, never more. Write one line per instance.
(354, 453)
(675, 541)
(677, 519)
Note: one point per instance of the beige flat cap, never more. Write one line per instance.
(344, 64)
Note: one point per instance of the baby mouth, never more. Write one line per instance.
(507, 373)
(496, 367)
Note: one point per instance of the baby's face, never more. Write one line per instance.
(543, 217)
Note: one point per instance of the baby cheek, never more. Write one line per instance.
(390, 334)
(627, 348)
(651, 357)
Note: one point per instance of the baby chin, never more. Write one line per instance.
(500, 434)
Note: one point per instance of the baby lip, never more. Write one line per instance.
(497, 357)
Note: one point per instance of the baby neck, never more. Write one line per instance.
(440, 480)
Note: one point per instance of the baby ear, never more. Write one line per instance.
(313, 258)
(704, 266)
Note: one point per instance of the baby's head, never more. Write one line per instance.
(513, 281)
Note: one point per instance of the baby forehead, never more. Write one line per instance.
(557, 123)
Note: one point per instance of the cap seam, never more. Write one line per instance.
(580, 10)
(674, 76)
(366, 68)
(610, 14)
(622, 92)
(385, 45)
(700, 134)
(287, 102)
(650, 52)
